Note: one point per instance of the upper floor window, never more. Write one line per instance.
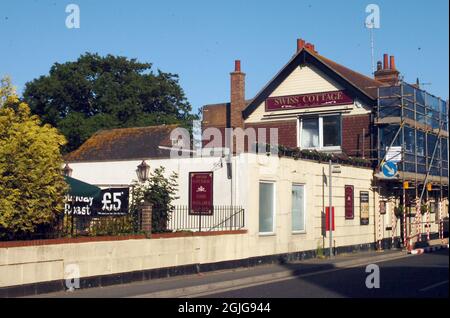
(321, 132)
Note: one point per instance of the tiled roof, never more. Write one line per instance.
(247, 102)
(125, 144)
(217, 115)
(366, 84)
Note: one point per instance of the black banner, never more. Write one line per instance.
(111, 202)
(79, 205)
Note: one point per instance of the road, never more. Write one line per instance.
(415, 276)
(421, 276)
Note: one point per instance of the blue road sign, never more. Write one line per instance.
(389, 169)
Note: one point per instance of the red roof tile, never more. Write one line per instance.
(125, 143)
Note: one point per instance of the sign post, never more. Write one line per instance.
(330, 207)
(332, 169)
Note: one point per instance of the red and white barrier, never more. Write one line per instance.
(418, 220)
(380, 235)
(405, 234)
(393, 227)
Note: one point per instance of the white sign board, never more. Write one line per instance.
(393, 154)
(336, 169)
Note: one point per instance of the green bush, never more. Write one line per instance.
(32, 187)
(111, 226)
(161, 192)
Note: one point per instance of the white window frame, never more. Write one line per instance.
(304, 208)
(321, 147)
(274, 211)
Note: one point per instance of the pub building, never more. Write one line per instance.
(389, 138)
(320, 105)
(387, 186)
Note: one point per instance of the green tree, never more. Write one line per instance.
(161, 192)
(98, 92)
(32, 187)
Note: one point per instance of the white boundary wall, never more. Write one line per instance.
(23, 265)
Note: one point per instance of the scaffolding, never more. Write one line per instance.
(415, 123)
(425, 129)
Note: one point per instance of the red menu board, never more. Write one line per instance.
(349, 203)
(201, 193)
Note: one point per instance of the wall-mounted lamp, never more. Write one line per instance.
(143, 171)
(67, 171)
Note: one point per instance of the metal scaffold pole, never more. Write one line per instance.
(380, 235)
(393, 226)
(428, 215)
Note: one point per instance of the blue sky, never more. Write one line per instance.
(199, 39)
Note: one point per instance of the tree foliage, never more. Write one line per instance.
(7, 91)
(161, 192)
(98, 92)
(32, 187)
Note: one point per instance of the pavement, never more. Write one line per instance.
(342, 276)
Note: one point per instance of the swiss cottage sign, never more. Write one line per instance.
(308, 100)
(201, 193)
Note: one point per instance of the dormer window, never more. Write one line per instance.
(321, 133)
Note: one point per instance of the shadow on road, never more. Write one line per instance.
(416, 276)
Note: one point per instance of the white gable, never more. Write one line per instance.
(303, 79)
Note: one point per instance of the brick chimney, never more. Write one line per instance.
(237, 101)
(387, 74)
(301, 44)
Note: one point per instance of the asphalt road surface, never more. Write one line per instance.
(420, 276)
